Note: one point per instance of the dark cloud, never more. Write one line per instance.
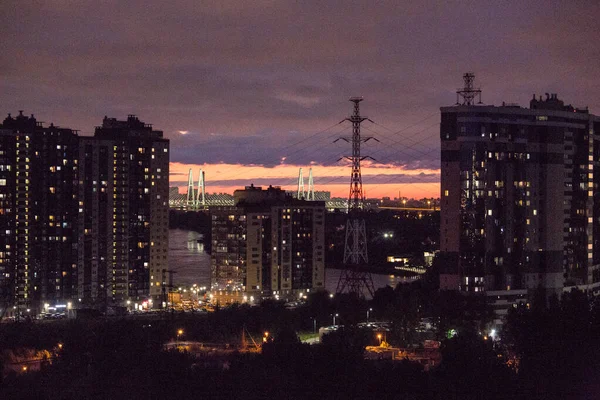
(320, 181)
(252, 81)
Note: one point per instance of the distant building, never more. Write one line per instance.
(268, 244)
(519, 208)
(84, 220)
(228, 257)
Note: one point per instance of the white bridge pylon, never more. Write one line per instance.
(196, 198)
(301, 193)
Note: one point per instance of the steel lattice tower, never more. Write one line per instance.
(352, 278)
(469, 92)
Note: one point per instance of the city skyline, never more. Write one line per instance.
(236, 85)
(287, 199)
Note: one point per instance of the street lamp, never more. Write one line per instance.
(335, 315)
(379, 337)
(314, 324)
(369, 311)
(179, 333)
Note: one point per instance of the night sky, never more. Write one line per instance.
(252, 90)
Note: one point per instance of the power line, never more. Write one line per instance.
(261, 165)
(407, 154)
(410, 156)
(323, 149)
(229, 177)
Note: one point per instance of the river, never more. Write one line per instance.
(192, 264)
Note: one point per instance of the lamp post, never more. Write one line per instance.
(368, 311)
(379, 337)
(314, 325)
(334, 316)
(179, 333)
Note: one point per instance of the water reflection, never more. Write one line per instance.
(188, 258)
(194, 242)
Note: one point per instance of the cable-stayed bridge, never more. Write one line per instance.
(398, 147)
(196, 198)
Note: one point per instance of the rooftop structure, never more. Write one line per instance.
(518, 197)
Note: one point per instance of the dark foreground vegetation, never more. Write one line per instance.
(547, 350)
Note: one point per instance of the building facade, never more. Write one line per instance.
(519, 205)
(71, 209)
(269, 244)
(38, 211)
(228, 255)
(123, 243)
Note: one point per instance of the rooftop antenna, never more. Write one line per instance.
(190, 191)
(301, 192)
(469, 92)
(353, 278)
(311, 186)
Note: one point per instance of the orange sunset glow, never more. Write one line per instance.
(379, 180)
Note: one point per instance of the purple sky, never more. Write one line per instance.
(251, 81)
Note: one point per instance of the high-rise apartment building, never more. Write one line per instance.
(124, 191)
(84, 220)
(38, 211)
(519, 204)
(228, 255)
(268, 244)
